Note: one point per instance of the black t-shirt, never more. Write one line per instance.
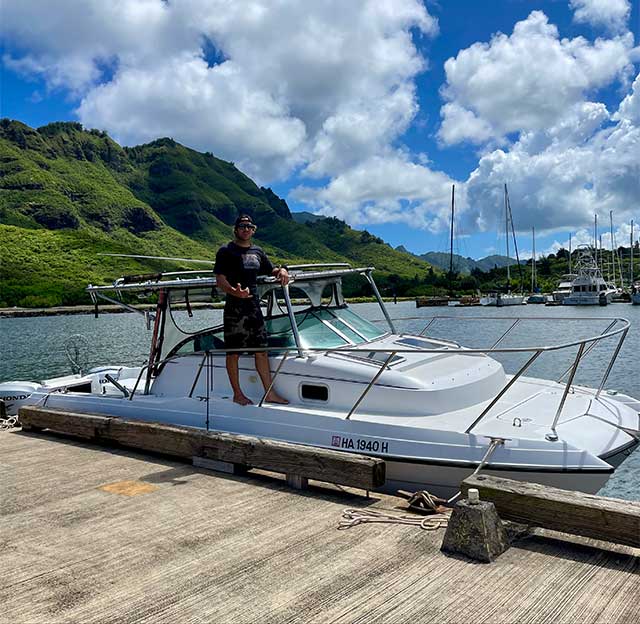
(242, 265)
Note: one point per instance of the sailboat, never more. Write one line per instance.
(536, 296)
(501, 299)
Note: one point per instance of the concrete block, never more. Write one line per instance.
(475, 530)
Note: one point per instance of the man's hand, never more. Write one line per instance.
(282, 275)
(241, 293)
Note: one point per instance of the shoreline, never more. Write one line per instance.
(116, 309)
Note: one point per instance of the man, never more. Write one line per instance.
(237, 267)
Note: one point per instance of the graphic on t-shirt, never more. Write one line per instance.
(250, 261)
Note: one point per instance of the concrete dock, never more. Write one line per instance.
(102, 534)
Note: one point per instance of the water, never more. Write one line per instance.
(33, 348)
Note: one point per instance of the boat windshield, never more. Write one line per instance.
(323, 327)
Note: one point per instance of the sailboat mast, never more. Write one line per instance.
(453, 195)
(612, 263)
(506, 235)
(569, 253)
(533, 264)
(595, 237)
(601, 265)
(631, 256)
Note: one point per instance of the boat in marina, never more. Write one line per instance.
(564, 287)
(506, 298)
(589, 287)
(434, 410)
(500, 299)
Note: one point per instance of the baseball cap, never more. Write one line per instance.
(243, 219)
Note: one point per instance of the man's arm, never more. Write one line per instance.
(223, 284)
(282, 274)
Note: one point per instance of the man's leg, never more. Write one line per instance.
(262, 366)
(234, 378)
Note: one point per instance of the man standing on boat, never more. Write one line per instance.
(239, 263)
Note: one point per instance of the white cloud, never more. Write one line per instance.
(630, 107)
(384, 189)
(323, 84)
(612, 14)
(526, 81)
(561, 176)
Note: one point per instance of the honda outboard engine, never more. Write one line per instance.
(15, 394)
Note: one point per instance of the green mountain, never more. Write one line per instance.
(68, 194)
(461, 264)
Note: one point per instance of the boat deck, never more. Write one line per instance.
(99, 534)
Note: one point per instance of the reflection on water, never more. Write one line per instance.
(32, 348)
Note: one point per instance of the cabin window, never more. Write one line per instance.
(314, 392)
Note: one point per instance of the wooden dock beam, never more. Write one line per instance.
(588, 515)
(297, 461)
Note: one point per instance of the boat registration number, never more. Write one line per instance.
(360, 444)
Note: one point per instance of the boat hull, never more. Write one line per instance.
(416, 459)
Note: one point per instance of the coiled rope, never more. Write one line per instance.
(353, 517)
(9, 422)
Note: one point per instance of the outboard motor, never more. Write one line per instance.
(15, 394)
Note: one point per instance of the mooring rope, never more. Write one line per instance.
(9, 422)
(353, 517)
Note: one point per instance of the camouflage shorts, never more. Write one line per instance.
(244, 325)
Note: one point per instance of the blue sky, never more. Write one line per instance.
(365, 110)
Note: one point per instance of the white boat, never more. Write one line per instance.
(635, 294)
(564, 287)
(589, 287)
(500, 300)
(434, 410)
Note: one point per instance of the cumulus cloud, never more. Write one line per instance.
(611, 14)
(559, 177)
(525, 81)
(384, 189)
(321, 85)
(630, 107)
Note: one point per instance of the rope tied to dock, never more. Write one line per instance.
(9, 422)
(354, 517)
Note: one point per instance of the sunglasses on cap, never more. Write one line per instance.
(246, 226)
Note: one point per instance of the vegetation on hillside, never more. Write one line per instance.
(68, 194)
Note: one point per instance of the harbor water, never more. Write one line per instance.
(33, 349)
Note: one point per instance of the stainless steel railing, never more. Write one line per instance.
(584, 347)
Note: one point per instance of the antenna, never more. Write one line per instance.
(191, 260)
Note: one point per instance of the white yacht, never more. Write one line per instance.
(434, 410)
(564, 287)
(635, 293)
(589, 287)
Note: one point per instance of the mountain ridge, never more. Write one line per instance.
(67, 194)
(461, 264)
